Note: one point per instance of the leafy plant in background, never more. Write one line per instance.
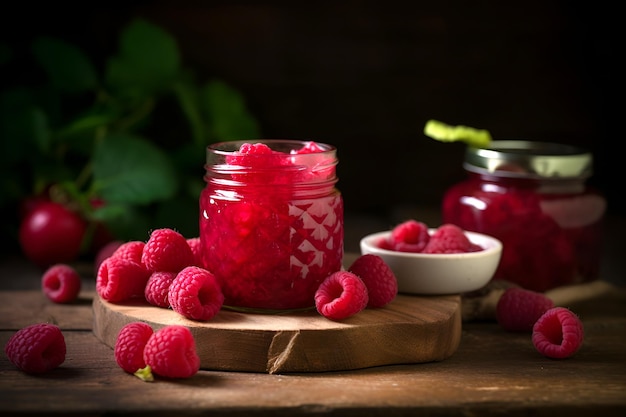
(91, 141)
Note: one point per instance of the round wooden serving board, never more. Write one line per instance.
(411, 329)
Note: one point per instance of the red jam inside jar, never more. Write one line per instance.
(271, 221)
(533, 197)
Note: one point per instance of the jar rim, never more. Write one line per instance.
(282, 145)
(530, 159)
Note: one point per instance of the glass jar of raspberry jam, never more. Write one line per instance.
(271, 221)
(534, 198)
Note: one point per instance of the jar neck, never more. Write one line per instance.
(285, 170)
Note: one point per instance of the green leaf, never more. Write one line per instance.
(126, 222)
(89, 121)
(226, 110)
(129, 169)
(23, 125)
(442, 132)
(68, 69)
(148, 60)
(187, 95)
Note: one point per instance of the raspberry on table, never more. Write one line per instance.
(379, 279)
(558, 333)
(120, 279)
(157, 288)
(518, 309)
(341, 295)
(409, 236)
(449, 238)
(129, 346)
(166, 250)
(196, 294)
(61, 283)
(37, 348)
(171, 352)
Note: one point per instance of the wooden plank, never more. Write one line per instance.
(23, 308)
(409, 330)
(492, 373)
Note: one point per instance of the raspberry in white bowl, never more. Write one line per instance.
(446, 263)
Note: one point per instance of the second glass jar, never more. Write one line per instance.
(532, 196)
(271, 221)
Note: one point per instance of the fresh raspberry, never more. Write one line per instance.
(558, 333)
(166, 250)
(381, 282)
(384, 243)
(61, 283)
(171, 352)
(157, 288)
(37, 348)
(131, 250)
(196, 294)
(409, 236)
(518, 309)
(130, 344)
(121, 279)
(196, 248)
(449, 238)
(341, 295)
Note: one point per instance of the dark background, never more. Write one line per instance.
(366, 76)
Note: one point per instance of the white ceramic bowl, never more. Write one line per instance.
(423, 273)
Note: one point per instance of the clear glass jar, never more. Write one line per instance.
(271, 223)
(534, 198)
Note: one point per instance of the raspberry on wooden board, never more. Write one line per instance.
(341, 295)
(131, 250)
(381, 282)
(167, 250)
(196, 294)
(120, 279)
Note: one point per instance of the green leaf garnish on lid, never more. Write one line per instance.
(478, 138)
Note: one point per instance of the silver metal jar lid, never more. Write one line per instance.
(528, 159)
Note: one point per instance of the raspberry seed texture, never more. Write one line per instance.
(61, 283)
(519, 309)
(167, 250)
(157, 288)
(120, 279)
(341, 295)
(171, 352)
(196, 294)
(558, 334)
(129, 346)
(37, 349)
(381, 282)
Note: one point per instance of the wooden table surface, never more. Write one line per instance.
(492, 373)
